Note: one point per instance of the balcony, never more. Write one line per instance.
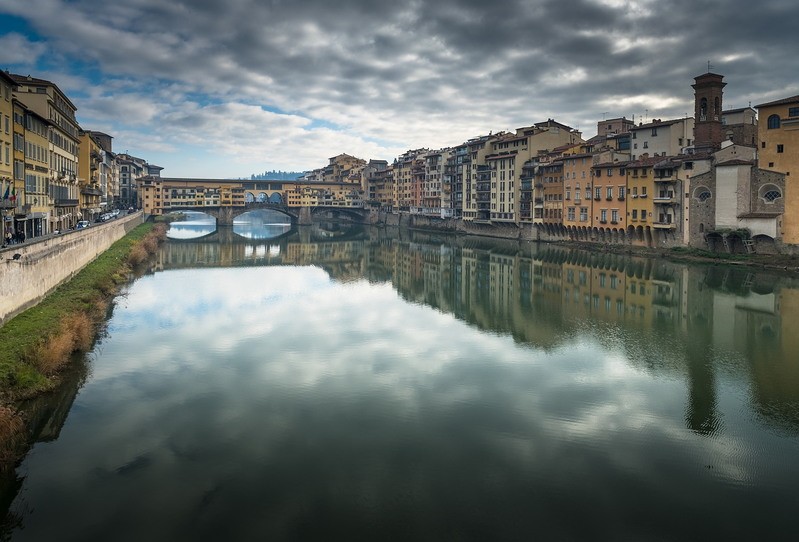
(664, 199)
(661, 178)
(64, 202)
(664, 225)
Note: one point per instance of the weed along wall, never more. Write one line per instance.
(40, 267)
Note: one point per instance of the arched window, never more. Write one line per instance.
(703, 109)
(702, 193)
(716, 106)
(701, 227)
(770, 193)
(773, 122)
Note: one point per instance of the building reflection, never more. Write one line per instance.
(693, 322)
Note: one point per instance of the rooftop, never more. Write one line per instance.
(784, 101)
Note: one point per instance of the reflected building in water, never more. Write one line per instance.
(695, 322)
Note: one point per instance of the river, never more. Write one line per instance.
(362, 384)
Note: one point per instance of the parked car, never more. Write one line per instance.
(82, 224)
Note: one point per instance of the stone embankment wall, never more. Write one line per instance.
(42, 265)
(527, 231)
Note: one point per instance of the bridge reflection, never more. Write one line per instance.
(685, 321)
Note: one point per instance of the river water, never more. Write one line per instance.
(336, 383)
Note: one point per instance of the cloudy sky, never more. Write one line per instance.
(226, 88)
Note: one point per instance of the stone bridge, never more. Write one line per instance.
(302, 216)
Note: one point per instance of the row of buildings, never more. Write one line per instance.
(720, 179)
(53, 173)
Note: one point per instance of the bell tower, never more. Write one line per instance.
(708, 130)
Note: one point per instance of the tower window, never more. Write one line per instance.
(780, 148)
(773, 122)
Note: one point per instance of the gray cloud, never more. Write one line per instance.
(398, 71)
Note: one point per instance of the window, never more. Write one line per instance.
(571, 214)
(780, 148)
(609, 192)
(793, 111)
(614, 216)
(597, 193)
(770, 193)
(773, 122)
(610, 172)
(654, 132)
(603, 216)
(702, 193)
(622, 192)
(635, 214)
(583, 214)
(646, 144)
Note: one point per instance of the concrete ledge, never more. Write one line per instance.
(42, 265)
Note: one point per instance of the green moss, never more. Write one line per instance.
(85, 292)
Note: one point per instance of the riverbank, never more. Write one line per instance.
(773, 262)
(40, 342)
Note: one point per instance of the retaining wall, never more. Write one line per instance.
(42, 265)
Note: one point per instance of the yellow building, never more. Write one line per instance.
(38, 193)
(609, 190)
(778, 131)
(7, 132)
(89, 176)
(46, 100)
(640, 188)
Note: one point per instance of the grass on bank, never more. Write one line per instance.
(40, 341)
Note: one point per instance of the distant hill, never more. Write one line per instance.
(277, 175)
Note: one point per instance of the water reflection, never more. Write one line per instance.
(414, 387)
(261, 224)
(195, 226)
(696, 320)
(258, 224)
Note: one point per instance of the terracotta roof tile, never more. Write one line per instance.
(784, 101)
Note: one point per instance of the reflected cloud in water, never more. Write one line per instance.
(364, 406)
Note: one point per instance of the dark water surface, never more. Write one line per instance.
(336, 384)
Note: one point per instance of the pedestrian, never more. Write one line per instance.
(8, 238)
